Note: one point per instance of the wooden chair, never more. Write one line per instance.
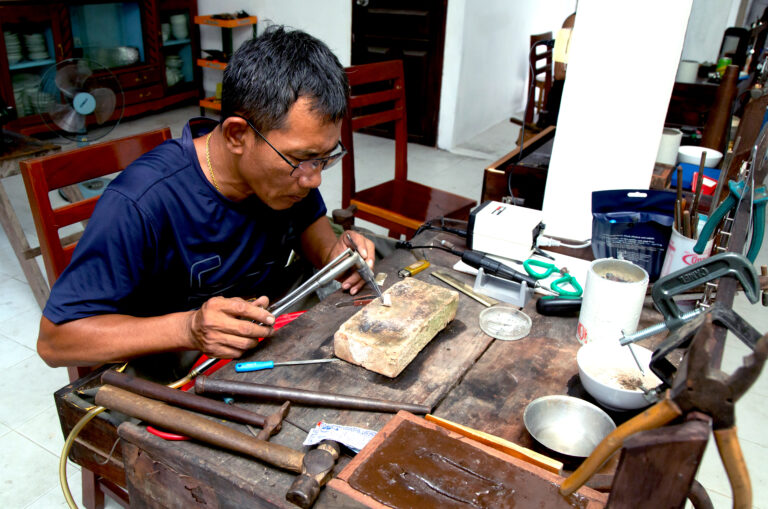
(46, 174)
(540, 75)
(400, 205)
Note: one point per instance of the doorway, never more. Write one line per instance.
(412, 31)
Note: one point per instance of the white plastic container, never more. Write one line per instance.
(612, 302)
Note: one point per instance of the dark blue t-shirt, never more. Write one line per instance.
(163, 240)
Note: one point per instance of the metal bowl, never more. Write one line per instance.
(567, 425)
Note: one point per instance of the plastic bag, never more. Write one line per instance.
(633, 225)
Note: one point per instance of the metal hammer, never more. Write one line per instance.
(316, 469)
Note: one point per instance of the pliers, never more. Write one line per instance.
(696, 387)
(737, 192)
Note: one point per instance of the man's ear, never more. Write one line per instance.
(235, 130)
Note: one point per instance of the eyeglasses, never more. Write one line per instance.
(306, 167)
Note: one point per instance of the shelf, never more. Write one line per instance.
(27, 64)
(211, 64)
(176, 42)
(226, 23)
(211, 103)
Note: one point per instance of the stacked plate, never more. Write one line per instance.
(36, 49)
(173, 65)
(12, 47)
(39, 100)
(179, 27)
(25, 86)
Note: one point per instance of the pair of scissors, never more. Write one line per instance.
(547, 269)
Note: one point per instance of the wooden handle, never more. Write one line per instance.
(735, 466)
(500, 444)
(654, 417)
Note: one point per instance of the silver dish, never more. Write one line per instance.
(567, 425)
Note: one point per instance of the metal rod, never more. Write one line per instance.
(181, 398)
(206, 385)
(655, 329)
(198, 427)
(632, 351)
(464, 288)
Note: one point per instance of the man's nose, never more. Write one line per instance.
(312, 179)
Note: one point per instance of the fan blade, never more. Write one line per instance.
(105, 103)
(66, 118)
(69, 78)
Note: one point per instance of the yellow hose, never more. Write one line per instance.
(93, 412)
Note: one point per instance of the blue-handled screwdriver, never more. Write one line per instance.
(242, 367)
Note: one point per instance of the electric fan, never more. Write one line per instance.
(79, 99)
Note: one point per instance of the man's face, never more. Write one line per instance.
(304, 136)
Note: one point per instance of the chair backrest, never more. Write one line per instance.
(377, 97)
(540, 63)
(46, 174)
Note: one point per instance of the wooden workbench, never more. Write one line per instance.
(463, 374)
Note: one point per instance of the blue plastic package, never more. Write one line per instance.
(633, 225)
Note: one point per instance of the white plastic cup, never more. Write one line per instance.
(165, 30)
(687, 71)
(680, 252)
(669, 145)
(611, 307)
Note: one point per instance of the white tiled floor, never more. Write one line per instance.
(30, 436)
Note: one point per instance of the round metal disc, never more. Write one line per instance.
(505, 322)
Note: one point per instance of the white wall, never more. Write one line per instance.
(708, 21)
(485, 69)
(329, 20)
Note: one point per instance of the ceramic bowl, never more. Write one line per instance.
(692, 154)
(609, 373)
(567, 425)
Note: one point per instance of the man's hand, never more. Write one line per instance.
(226, 328)
(354, 282)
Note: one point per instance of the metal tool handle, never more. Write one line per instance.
(718, 215)
(719, 265)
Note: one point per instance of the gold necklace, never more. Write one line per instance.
(208, 158)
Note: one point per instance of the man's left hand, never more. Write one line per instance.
(354, 282)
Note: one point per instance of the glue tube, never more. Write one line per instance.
(612, 302)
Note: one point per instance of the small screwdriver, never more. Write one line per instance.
(242, 367)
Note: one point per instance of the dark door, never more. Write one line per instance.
(412, 31)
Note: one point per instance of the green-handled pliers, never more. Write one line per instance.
(759, 200)
(558, 284)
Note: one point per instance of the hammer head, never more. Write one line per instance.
(316, 470)
(274, 422)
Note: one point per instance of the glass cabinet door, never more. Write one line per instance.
(109, 34)
(175, 30)
(30, 44)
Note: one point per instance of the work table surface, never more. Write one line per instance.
(463, 374)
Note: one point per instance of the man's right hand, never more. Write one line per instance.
(225, 328)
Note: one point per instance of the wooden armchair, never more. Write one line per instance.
(400, 205)
(58, 171)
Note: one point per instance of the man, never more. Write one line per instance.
(192, 227)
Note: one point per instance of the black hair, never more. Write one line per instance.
(268, 74)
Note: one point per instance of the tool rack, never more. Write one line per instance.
(226, 25)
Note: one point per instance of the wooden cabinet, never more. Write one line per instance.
(155, 70)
